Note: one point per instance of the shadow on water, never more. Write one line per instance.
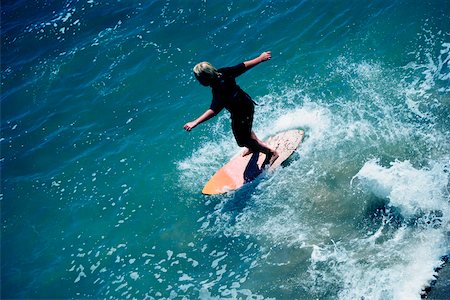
(253, 176)
(234, 202)
(239, 200)
(240, 197)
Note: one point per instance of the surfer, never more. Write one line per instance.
(227, 94)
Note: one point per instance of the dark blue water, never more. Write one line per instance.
(100, 192)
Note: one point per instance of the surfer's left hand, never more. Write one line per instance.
(265, 56)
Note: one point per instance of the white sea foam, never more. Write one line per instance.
(196, 169)
(315, 118)
(400, 266)
(407, 188)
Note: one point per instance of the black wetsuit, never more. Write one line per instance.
(227, 94)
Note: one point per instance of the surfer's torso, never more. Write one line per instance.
(227, 94)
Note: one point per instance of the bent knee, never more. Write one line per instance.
(247, 141)
(242, 142)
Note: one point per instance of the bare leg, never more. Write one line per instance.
(258, 146)
(249, 151)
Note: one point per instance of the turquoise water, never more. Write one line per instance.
(100, 193)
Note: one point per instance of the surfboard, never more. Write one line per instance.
(244, 169)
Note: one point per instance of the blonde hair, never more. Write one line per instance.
(205, 72)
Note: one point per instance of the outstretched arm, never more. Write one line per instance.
(262, 57)
(204, 117)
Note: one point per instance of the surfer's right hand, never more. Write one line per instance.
(189, 126)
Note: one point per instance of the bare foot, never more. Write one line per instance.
(273, 157)
(270, 159)
(246, 152)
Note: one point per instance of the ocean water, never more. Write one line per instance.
(100, 184)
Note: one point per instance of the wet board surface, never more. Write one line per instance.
(241, 170)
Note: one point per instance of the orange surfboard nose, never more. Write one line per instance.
(220, 183)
